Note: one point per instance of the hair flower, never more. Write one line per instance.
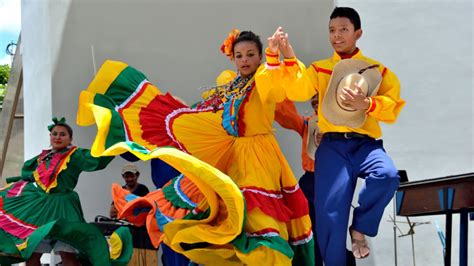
(226, 47)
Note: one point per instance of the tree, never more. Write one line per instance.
(4, 75)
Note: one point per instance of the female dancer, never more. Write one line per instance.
(231, 129)
(40, 210)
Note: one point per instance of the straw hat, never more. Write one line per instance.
(345, 73)
(313, 130)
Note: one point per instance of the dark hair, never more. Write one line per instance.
(248, 36)
(68, 128)
(347, 12)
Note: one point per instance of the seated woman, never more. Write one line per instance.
(40, 210)
(231, 129)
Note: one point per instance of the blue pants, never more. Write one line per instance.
(171, 258)
(339, 162)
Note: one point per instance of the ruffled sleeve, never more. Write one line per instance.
(27, 170)
(279, 80)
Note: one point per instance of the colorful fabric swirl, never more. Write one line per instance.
(134, 116)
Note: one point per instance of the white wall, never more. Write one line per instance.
(37, 71)
(428, 44)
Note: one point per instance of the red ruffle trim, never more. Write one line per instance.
(297, 202)
(153, 119)
(271, 206)
(307, 235)
(280, 205)
(15, 190)
(15, 226)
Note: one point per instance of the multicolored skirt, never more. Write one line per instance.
(133, 116)
(28, 215)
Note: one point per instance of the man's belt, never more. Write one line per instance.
(345, 135)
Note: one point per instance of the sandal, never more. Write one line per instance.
(360, 247)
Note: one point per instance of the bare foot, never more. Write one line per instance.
(360, 247)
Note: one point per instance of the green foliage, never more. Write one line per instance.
(4, 74)
(2, 95)
(3, 91)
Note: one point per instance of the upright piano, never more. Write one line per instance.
(444, 195)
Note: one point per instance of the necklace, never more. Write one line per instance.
(234, 101)
(221, 94)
